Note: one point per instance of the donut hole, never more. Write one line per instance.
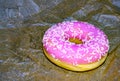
(76, 40)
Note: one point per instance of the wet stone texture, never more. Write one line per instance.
(22, 26)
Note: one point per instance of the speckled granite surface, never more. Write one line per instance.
(21, 32)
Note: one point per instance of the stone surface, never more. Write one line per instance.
(22, 26)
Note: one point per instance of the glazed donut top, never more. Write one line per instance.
(94, 44)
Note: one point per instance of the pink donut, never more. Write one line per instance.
(87, 51)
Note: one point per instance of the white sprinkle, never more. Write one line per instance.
(53, 55)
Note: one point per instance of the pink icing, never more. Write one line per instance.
(56, 42)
